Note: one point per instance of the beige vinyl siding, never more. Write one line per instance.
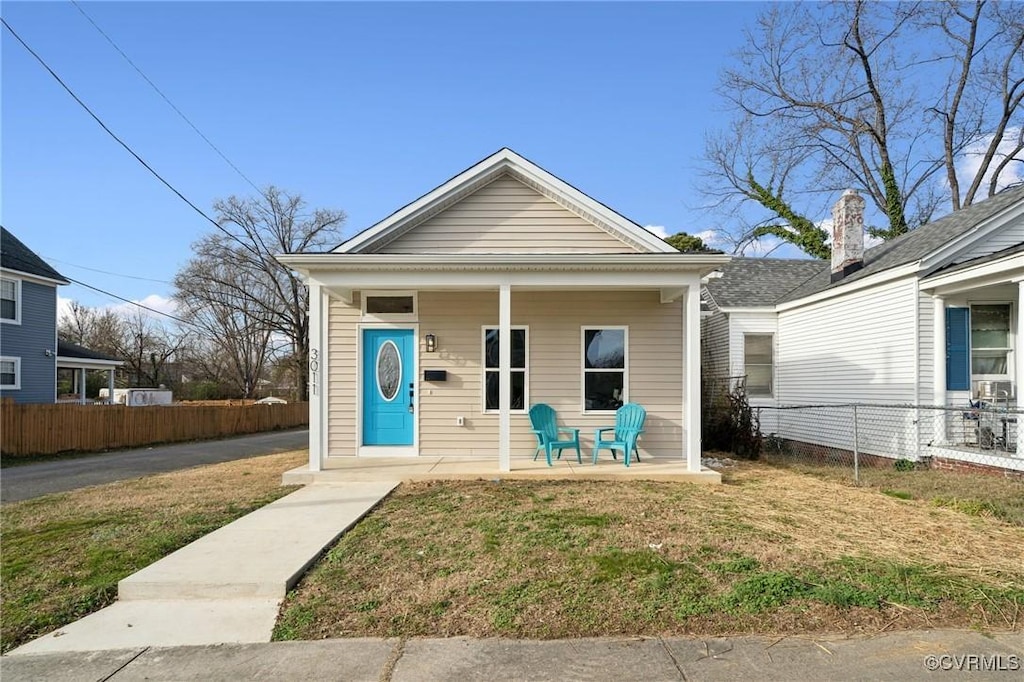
(506, 216)
(342, 375)
(1005, 238)
(554, 320)
(855, 348)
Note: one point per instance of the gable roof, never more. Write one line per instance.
(915, 245)
(760, 282)
(15, 256)
(503, 162)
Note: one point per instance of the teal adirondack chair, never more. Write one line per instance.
(629, 424)
(544, 421)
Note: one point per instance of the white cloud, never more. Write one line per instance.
(658, 230)
(63, 307)
(155, 302)
(968, 165)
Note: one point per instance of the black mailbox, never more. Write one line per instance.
(435, 375)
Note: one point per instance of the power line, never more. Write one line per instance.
(134, 303)
(118, 139)
(105, 272)
(165, 98)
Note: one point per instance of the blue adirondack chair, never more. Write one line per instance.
(544, 421)
(629, 424)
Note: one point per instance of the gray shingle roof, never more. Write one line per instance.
(764, 282)
(16, 256)
(916, 244)
(757, 282)
(73, 350)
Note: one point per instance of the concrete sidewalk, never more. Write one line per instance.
(225, 587)
(916, 655)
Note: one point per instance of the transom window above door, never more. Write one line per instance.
(389, 306)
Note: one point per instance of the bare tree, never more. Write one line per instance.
(234, 282)
(828, 96)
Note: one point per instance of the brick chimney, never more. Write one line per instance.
(847, 235)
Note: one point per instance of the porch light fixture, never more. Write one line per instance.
(431, 342)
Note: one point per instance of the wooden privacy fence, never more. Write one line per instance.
(49, 429)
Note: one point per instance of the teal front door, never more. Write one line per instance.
(388, 387)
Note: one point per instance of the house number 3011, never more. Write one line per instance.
(314, 370)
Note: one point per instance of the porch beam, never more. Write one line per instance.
(1018, 363)
(670, 294)
(691, 376)
(504, 377)
(317, 424)
(939, 366)
(424, 281)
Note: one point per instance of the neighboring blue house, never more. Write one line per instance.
(28, 323)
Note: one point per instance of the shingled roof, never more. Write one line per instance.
(16, 256)
(916, 244)
(65, 349)
(760, 282)
(765, 282)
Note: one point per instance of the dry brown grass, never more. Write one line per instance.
(769, 551)
(63, 554)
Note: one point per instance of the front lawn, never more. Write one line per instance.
(63, 554)
(769, 551)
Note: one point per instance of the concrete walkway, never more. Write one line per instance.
(920, 655)
(25, 481)
(225, 587)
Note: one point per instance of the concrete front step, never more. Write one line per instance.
(262, 554)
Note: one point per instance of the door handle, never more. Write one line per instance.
(412, 409)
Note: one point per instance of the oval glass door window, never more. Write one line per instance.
(389, 370)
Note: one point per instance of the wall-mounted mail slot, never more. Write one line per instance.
(435, 375)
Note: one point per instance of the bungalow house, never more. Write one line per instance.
(930, 319)
(30, 354)
(433, 331)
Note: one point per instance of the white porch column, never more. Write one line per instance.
(691, 377)
(110, 386)
(81, 386)
(939, 367)
(317, 404)
(505, 377)
(1017, 356)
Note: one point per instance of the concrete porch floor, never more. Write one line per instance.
(365, 469)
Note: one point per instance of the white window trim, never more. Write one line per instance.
(484, 370)
(390, 317)
(583, 366)
(1011, 339)
(16, 386)
(17, 300)
(771, 389)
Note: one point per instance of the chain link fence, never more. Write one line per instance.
(980, 437)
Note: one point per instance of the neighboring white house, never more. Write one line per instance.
(930, 318)
(503, 277)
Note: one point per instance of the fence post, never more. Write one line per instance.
(856, 446)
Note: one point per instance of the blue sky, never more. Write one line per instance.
(358, 106)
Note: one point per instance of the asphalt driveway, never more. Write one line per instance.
(32, 480)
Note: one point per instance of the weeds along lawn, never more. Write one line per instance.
(770, 551)
(64, 554)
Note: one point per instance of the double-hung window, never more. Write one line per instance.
(605, 368)
(990, 340)
(757, 364)
(10, 290)
(520, 369)
(10, 373)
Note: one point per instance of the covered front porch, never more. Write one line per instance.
(977, 367)
(460, 327)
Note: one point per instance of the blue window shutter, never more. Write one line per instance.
(958, 349)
